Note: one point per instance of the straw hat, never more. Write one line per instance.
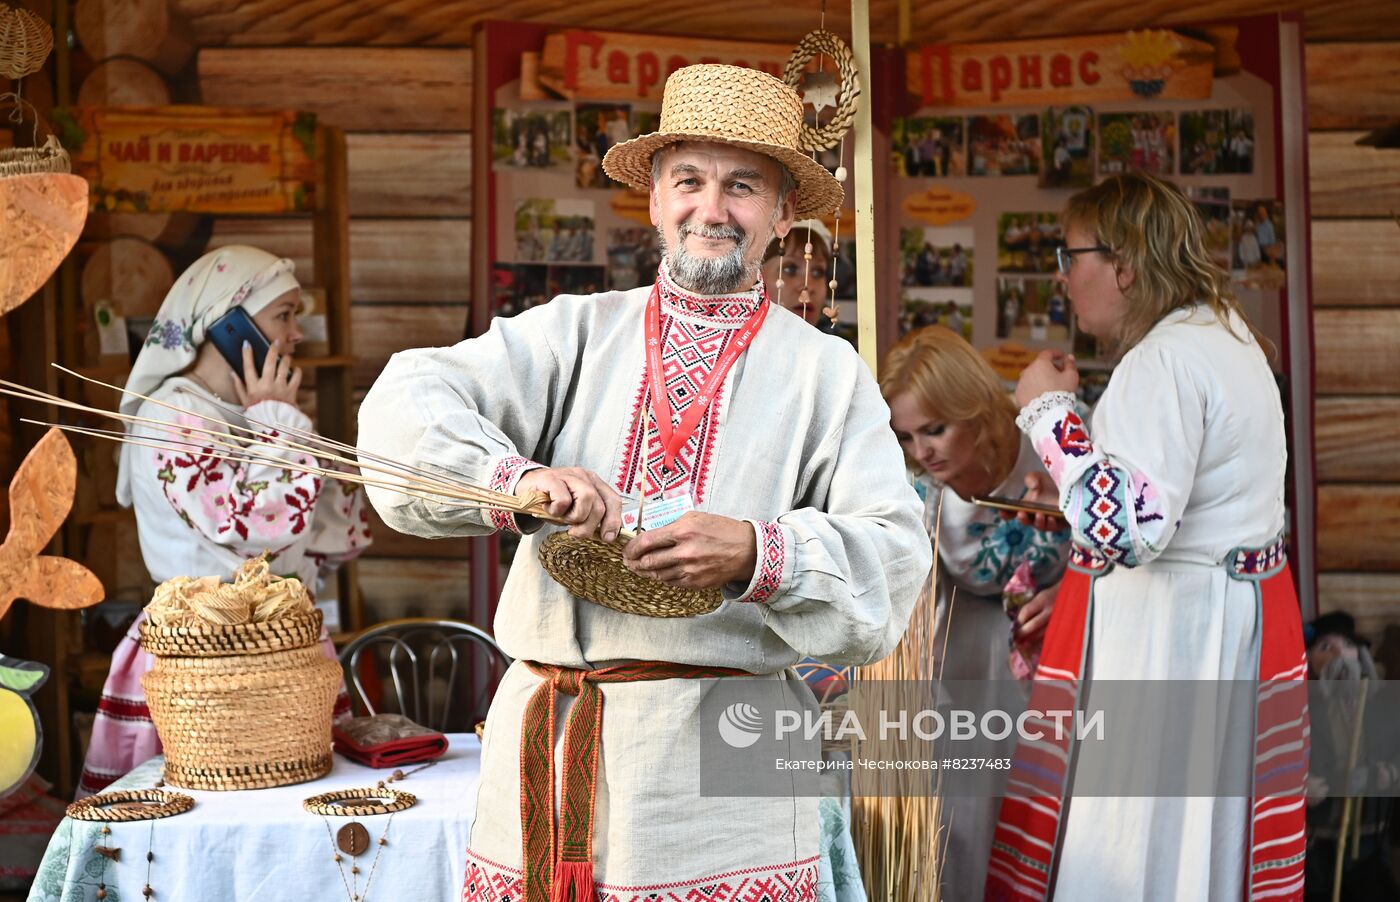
(730, 105)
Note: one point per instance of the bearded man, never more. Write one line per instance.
(769, 444)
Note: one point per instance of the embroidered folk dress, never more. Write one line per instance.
(200, 516)
(797, 440)
(978, 551)
(1175, 496)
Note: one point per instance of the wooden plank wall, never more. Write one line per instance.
(1356, 282)
(399, 82)
(407, 113)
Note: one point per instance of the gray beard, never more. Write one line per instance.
(709, 275)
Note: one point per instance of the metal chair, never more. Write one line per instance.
(420, 658)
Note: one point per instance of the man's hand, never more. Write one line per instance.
(576, 496)
(698, 551)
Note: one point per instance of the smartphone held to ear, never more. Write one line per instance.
(230, 331)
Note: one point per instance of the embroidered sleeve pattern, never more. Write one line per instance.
(773, 562)
(246, 506)
(1110, 508)
(341, 529)
(504, 478)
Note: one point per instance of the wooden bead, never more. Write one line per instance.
(398, 775)
(779, 284)
(106, 830)
(354, 869)
(101, 892)
(147, 891)
(383, 841)
(150, 856)
(831, 284)
(840, 173)
(807, 249)
(805, 297)
(337, 857)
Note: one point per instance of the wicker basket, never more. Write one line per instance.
(246, 706)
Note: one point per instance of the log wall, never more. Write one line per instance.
(1356, 322)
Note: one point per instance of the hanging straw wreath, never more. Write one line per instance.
(820, 91)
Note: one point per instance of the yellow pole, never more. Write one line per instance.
(864, 191)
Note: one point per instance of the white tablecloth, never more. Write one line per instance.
(261, 844)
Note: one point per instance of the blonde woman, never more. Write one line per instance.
(1174, 493)
(957, 426)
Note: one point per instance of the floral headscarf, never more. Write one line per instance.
(215, 283)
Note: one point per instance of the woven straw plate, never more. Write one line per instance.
(593, 570)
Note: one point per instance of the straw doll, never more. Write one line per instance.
(197, 515)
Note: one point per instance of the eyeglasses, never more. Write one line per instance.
(1064, 256)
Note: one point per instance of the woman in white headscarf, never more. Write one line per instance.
(201, 516)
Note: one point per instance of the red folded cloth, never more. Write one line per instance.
(387, 740)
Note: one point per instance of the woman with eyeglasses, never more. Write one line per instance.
(1175, 495)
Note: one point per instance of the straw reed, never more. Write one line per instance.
(567, 560)
(897, 823)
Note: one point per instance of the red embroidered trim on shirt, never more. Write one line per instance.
(795, 881)
(503, 479)
(770, 562)
(689, 355)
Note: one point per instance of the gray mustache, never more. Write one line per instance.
(710, 231)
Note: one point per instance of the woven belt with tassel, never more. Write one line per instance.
(567, 876)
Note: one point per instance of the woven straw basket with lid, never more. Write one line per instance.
(242, 706)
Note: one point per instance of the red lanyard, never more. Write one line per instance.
(673, 438)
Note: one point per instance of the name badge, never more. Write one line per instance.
(659, 512)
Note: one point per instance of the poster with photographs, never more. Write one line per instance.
(1026, 242)
(1257, 232)
(1217, 142)
(1067, 147)
(550, 230)
(1003, 145)
(947, 307)
(1032, 310)
(634, 255)
(516, 287)
(597, 127)
(928, 146)
(530, 139)
(1213, 205)
(1137, 142)
(936, 257)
